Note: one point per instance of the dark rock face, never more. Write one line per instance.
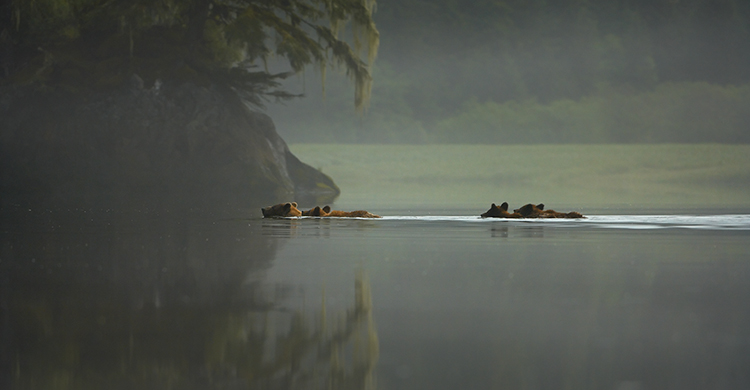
(183, 145)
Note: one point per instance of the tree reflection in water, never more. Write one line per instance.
(122, 308)
(300, 353)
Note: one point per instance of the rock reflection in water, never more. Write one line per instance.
(176, 305)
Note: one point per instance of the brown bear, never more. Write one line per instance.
(348, 214)
(538, 211)
(531, 210)
(281, 210)
(500, 212)
(315, 212)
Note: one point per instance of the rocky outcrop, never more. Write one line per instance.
(166, 145)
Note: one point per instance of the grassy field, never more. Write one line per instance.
(580, 177)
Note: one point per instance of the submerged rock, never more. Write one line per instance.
(167, 145)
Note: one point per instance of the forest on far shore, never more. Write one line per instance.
(536, 71)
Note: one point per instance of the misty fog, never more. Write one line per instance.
(519, 72)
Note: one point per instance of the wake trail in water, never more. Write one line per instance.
(705, 222)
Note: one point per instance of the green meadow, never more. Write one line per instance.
(580, 177)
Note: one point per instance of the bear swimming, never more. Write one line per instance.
(531, 210)
(500, 212)
(289, 209)
(314, 212)
(348, 214)
(281, 210)
(538, 211)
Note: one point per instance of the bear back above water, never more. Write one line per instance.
(348, 214)
(537, 211)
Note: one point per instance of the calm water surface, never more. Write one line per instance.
(418, 301)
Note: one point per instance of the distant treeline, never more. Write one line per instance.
(671, 113)
(518, 49)
(547, 71)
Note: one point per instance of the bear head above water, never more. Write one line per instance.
(281, 210)
(530, 210)
(315, 212)
(501, 211)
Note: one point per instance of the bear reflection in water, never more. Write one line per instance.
(290, 209)
(527, 211)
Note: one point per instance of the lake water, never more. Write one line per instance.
(426, 299)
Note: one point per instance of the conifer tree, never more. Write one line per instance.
(97, 43)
